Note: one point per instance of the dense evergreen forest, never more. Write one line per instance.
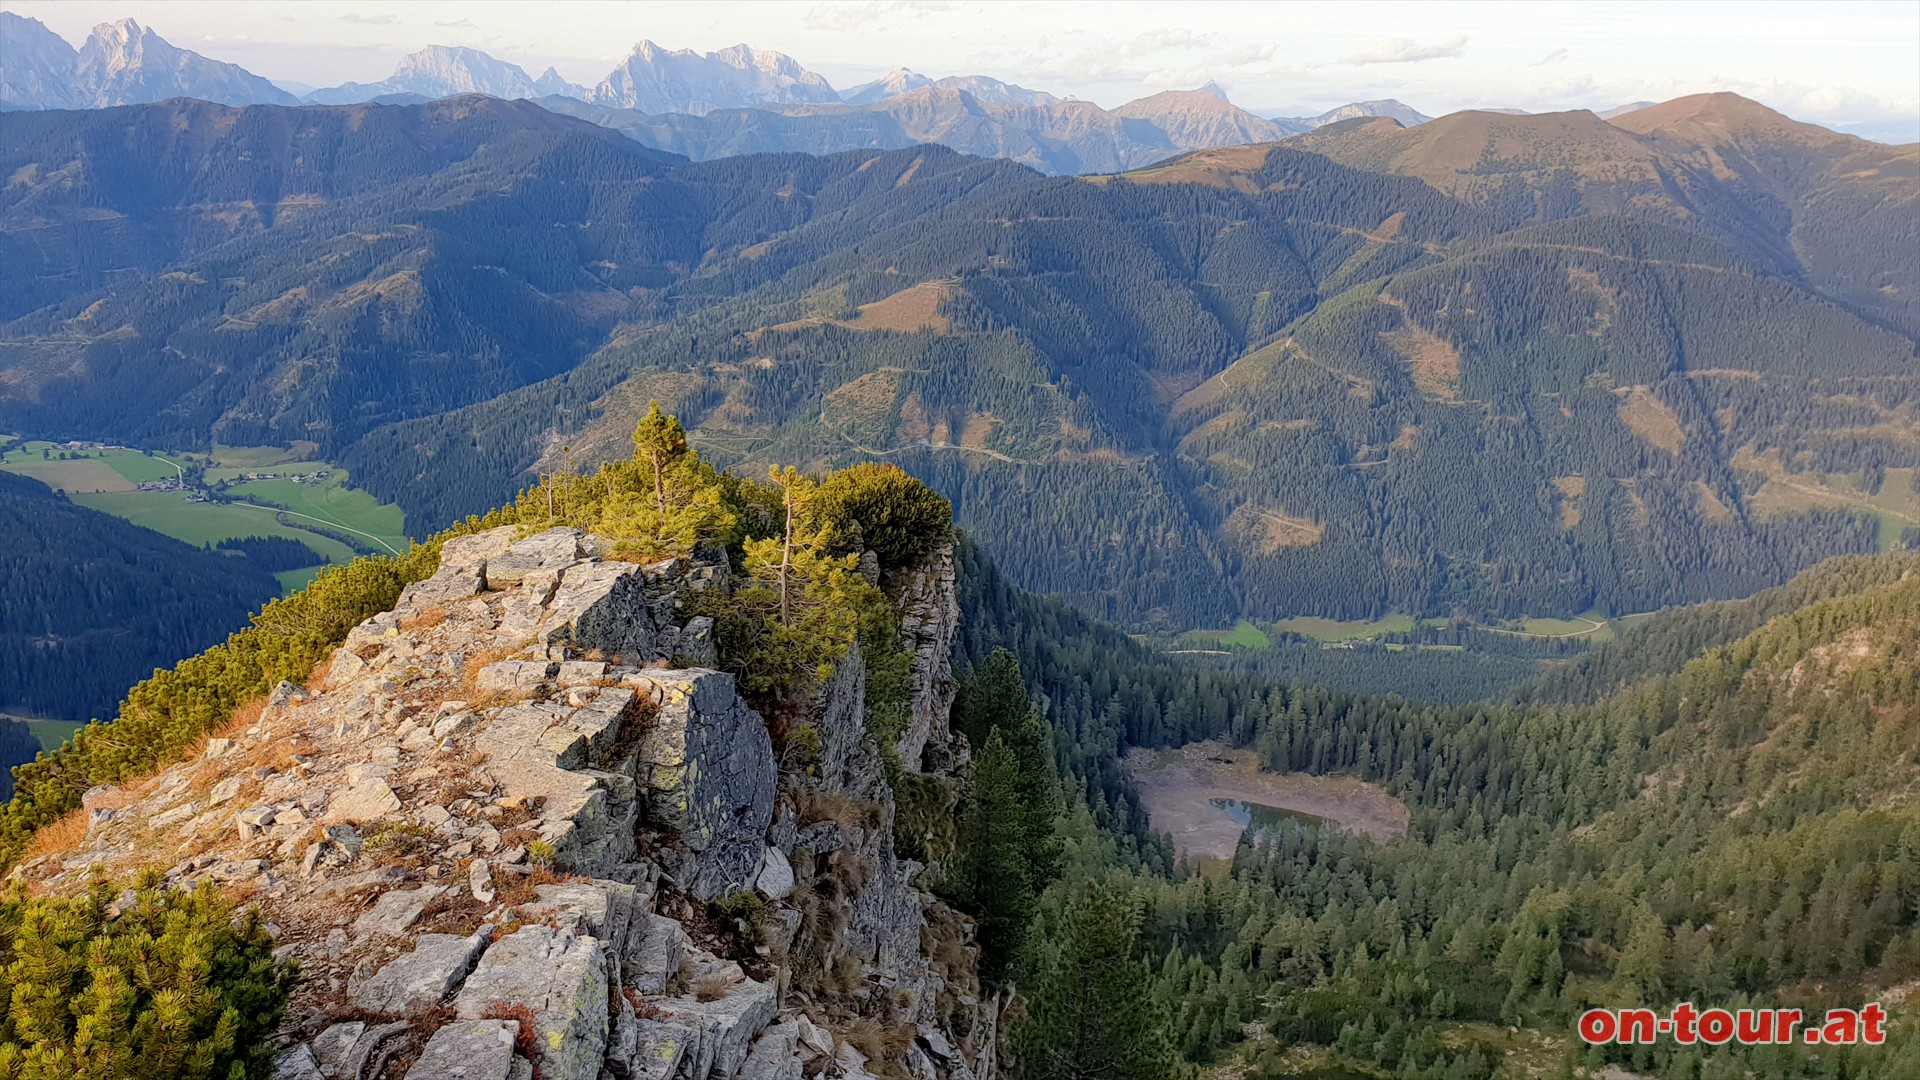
(90, 605)
(1728, 819)
(1313, 371)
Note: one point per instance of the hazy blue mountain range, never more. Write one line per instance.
(440, 71)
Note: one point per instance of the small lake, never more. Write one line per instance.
(1263, 818)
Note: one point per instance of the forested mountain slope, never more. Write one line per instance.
(90, 605)
(1836, 211)
(1735, 828)
(1318, 382)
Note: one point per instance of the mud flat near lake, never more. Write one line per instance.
(1188, 792)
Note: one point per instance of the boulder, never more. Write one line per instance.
(467, 1050)
(553, 549)
(775, 1055)
(371, 799)
(395, 912)
(562, 977)
(344, 1051)
(846, 765)
(706, 771)
(776, 875)
(513, 676)
(602, 910)
(463, 568)
(653, 953)
(421, 979)
(727, 1025)
(297, 1064)
(658, 1049)
(814, 1039)
(607, 608)
(480, 881)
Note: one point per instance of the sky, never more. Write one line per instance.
(1854, 66)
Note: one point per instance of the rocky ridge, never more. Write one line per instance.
(520, 821)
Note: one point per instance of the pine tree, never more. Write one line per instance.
(995, 696)
(997, 880)
(1091, 1013)
(659, 440)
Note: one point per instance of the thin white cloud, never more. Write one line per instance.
(1408, 51)
(369, 20)
(458, 24)
(1553, 57)
(845, 17)
(1154, 42)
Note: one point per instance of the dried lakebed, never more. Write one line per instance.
(1205, 794)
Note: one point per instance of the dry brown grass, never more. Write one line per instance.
(1434, 362)
(1268, 531)
(1650, 418)
(470, 671)
(883, 1044)
(244, 717)
(116, 797)
(61, 836)
(914, 308)
(711, 987)
(316, 680)
(425, 619)
(813, 804)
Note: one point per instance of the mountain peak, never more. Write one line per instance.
(125, 63)
(439, 71)
(1215, 89)
(894, 83)
(1721, 118)
(1196, 119)
(38, 73)
(653, 80)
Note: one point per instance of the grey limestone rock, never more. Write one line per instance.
(847, 763)
(727, 1026)
(659, 1048)
(421, 979)
(372, 799)
(776, 875)
(929, 604)
(526, 559)
(297, 1064)
(395, 912)
(467, 1050)
(653, 953)
(706, 770)
(602, 910)
(562, 977)
(775, 1055)
(508, 676)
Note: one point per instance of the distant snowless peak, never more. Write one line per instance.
(123, 62)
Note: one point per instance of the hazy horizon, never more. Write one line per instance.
(1854, 66)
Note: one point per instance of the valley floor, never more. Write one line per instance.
(1190, 793)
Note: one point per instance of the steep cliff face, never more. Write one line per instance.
(522, 822)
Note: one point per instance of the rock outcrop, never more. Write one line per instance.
(929, 604)
(522, 822)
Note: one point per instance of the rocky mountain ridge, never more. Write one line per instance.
(439, 71)
(496, 832)
(119, 63)
(706, 105)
